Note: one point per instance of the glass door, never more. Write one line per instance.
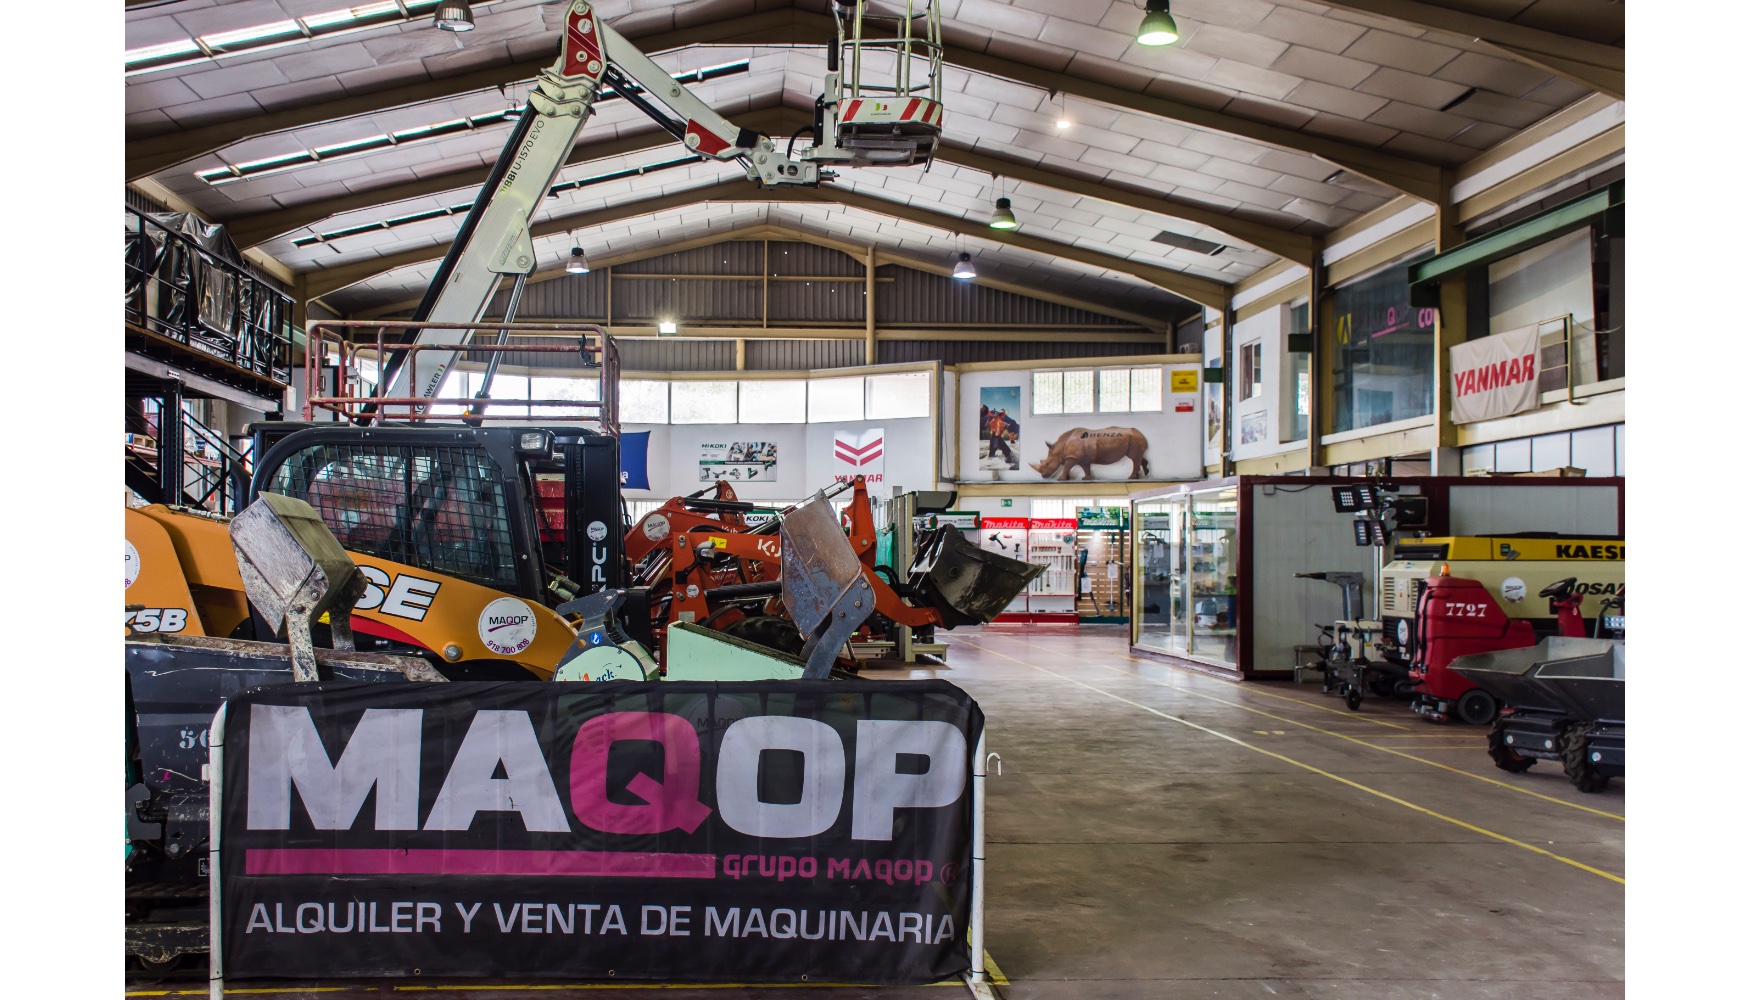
(1212, 561)
(1162, 611)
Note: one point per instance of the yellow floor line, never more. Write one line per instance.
(996, 974)
(1320, 729)
(1340, 779)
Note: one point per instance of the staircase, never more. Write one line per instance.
(208, 473)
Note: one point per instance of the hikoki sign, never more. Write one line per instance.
(859, 453)
(1495, 376)
(777, 831)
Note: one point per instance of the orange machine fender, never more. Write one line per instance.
(156, 581)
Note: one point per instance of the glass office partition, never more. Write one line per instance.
(1187, 575)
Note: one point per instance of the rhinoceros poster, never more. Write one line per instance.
(1083, 448)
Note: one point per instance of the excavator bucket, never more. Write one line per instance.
(968, 585)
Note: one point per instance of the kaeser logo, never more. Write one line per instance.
(507, 626)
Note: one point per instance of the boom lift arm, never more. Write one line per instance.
(494, 239)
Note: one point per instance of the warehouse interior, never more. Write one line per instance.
(875, 498)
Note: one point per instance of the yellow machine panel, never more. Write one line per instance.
(156, 588)
(1514, 570)
(460, 621)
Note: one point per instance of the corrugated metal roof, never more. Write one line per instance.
(919, 298)
(801, 355)
(679, 355)
(960, 352)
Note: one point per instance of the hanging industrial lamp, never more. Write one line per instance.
(577, 263)
(1063, 120)
(1158, 26)
(963, 268)
(454, 15)
(1004, 216)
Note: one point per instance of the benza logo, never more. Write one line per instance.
(404, 596)
(383, 753)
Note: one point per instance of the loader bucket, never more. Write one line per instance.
(964, 583)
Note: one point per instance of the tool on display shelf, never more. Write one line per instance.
(1563, 701)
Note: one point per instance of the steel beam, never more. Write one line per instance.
(1587, 63)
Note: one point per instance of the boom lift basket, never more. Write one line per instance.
(884, 108)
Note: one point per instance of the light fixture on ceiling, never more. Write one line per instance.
(454, 15)
(1063, 111)
(666, 327)
(1158, 26)
(512, 110)
(577, 263)
(963, 268)
(1003, 217)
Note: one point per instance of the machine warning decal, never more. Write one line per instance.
(1513, 590)
(507, 626)
(131, 564)
(656, 527)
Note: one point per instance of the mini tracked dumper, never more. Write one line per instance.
(1565, 703)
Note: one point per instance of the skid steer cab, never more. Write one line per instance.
(467, 539)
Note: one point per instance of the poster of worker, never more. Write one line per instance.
(739, 462)
(999, 432)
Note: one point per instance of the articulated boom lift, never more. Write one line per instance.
(857, 124)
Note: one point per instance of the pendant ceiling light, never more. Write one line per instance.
(1158, 26)
(577, 263)
(454, 15)
(1004, 216)
(1063, 111)
(963, 268)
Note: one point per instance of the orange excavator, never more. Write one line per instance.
(702, 562)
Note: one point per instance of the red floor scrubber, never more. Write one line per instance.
(1459, 617)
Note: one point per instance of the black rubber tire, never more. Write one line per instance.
(1352, 698)
(1577, 765)
(770, 631)
(1505, 757)
(1476, 707)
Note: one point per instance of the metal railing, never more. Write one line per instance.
(338, 342)
(179, 290)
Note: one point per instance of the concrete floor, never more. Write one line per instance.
(1158, 832)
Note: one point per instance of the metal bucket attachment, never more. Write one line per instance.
(293, 570)
(963, 582)
(1511, 675)
(824, 589)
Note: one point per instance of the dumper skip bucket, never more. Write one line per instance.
(966, 584)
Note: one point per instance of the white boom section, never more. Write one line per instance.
(495, 239)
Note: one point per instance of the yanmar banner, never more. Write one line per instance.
(677, 831)
(1495, 376)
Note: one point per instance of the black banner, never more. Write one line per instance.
(763, 831)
